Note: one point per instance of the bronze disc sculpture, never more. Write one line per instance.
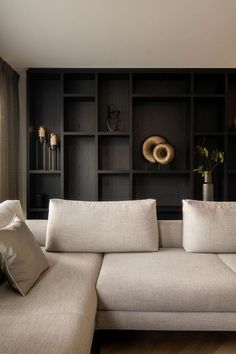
(163, 153)
(149, 145)
(157, 150)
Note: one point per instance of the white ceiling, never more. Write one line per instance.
(118, 33)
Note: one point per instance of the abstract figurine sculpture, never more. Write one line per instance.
(112, 117)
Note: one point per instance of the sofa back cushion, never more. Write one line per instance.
(170, 233)
(209, 226)
(124, 226)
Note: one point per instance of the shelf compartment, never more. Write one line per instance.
(49, 185)
(114, 187)
(210, 83)
(231, 120)
(212, 142)
(44, 108)
(113, 153)
(170, 119)
(80, 114)
(80, 168)
(218, 181)
(80, 83)
(161, 84)
(231, 188)
(168, 190)
(232, 153)
(209, 115)
(114, 89)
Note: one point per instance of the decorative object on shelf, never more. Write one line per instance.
(207, 187)
(54, 158)
(148, 146)
(113, 114)
(157, 150)
(41, 148)
(210, 160)
(164, 153)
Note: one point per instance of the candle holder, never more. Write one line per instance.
(41, 150)
(54, 156)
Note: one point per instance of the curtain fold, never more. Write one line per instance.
(9, 132)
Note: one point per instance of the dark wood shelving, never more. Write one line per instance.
(184, 106)
(79, 95)
(45, 172)
(209, 134)
(159, 97)
(79, 134)
(206, 96)
(113, 133)
(171, 172)
(38, 210)
(113, 171)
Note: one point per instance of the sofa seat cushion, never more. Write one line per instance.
(63, 301)
(59, 333)
(170, 280)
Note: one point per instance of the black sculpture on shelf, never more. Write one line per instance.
(113, 114)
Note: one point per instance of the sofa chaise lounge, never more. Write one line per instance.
(167, 289)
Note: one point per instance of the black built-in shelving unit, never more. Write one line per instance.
(184, 106)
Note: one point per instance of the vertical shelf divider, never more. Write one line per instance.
(192, 147)
(225, 194)
(62, 138)
(96, 135)
(130, 136)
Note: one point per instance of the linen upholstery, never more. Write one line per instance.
(209, 226)
(8, 209)
(170, 233)
(170, 280)
(38, 229)
(166, 321)
(21, 259)
(126, 226)
(58, 312)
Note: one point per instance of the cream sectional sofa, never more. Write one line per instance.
(80, 292)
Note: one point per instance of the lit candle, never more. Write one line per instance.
(42, 132)
(53, 139)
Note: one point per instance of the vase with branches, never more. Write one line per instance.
(210, 159)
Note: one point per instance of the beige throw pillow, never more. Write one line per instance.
(21, 259)
(124, 226)
(209, 226)
(8, 209)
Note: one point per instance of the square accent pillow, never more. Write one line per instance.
(122, 226)
(209, 226)
(21, 259)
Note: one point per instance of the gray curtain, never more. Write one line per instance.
(9, 133)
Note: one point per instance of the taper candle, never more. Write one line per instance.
(53, 139)
(42, 132)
